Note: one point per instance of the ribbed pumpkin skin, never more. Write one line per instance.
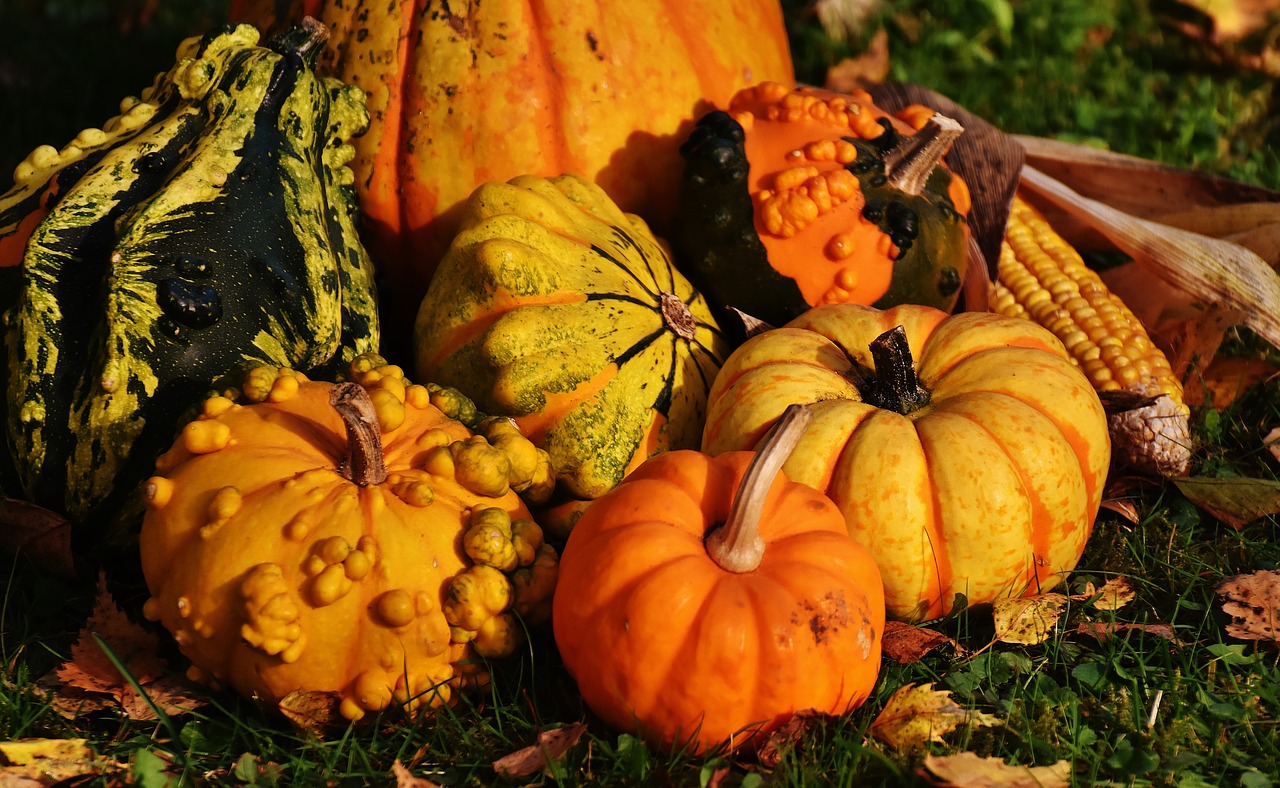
(989, 491)
(662, 640)
(551, 307)
(465, 93)
(212, 223)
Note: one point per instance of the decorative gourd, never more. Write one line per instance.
(704, 600)
(325, 539)
(555, 308)
(967, 452)
(475, 92)
(211, 224)
(796, 198)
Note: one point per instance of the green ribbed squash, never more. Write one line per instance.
(556, 308)
(210, 225)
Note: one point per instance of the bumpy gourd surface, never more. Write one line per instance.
(557, 309)
(276, 573)
(211, 223)
(989, 491)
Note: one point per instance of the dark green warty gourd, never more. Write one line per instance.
(211, 225)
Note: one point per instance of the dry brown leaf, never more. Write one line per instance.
(969, 770)
(39, 534)
(89, 681)
(531, 760)
(917, 714)
(1125, 509)
(858, 73)
(845, 20)
(1272, 441)
(1233, 20)
(907, 644)
(1225, 379)
(44, 762)
(1253, 603)
(1231, 284)
(1028, 620)
(311, 710)
(786, 735)
(406, 779)
(1114, 594)
(1103, 630)
(1235, 501)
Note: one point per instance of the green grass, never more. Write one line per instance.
(1103, 71)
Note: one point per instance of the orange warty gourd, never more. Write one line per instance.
(350, 539)
(705, 600)
(472, 92)
(967, 451)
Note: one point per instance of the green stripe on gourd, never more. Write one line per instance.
(214, 230)
(555, 308)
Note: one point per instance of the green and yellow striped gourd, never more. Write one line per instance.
(211, 225)
(556, 308)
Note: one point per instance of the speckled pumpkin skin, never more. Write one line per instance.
(276, 574)
(989, 491)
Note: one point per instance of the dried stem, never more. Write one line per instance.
(365, 463)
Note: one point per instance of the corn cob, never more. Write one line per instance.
(1042, 278)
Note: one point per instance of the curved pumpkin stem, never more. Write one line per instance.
(365, 464)
(737, 545)
(909, 165)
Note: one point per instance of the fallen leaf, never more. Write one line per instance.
(531, 760)
(907, 644)
(1233, 20)
(1236, 501)
(1225, 379)
(1272, 441)
(1125, 509)
(1114, 594)
(1028, 620)
(310, 710)
(917, 714)
(405, 778)
(869, 68)
(1253, 603)
(845, 20)
(786, 735)
(44, 762)
(90, 681)
(1103, 630)
(39, 534)
(969, 770)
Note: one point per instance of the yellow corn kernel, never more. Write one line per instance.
(1042, 278)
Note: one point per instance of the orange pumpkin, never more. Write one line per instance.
(704, 600)
(967, 452)
(478, 92)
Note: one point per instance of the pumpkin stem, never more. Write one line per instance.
(676, 314)
(894, 386)
(364, 464)
(737, 546)
(305, 39)
(909, 165)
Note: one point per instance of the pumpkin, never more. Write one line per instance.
(705, 600)
(350, 539)
(966, 452)
(210, 225)
(556, 309)
(475, 92)
(795, 198)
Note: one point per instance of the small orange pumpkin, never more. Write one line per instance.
(704, 601)
(968, 452)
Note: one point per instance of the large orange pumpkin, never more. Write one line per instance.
(966, 451)
(466, 93)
